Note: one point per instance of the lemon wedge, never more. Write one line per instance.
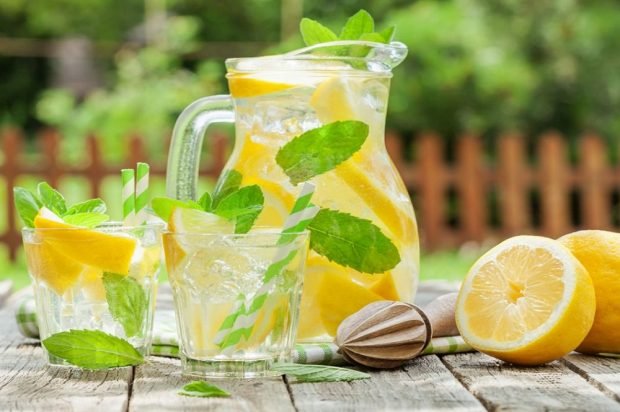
(527, 301)
(190, 221)
(106, 251)
(245, 87)
(45, 264)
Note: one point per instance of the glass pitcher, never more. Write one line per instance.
(276, 98)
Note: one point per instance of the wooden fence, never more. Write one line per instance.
(475, 196)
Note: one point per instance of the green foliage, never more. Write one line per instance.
(92, 18)
(494, 66)
(151, 89)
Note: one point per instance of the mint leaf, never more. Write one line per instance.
(26, 204)
(163, 206)
(88, 220)
(322, 149)
(352, 241)
(126, 300)
(319, 373)
(202, 389)
(314, 32)
(206, 202)
(358, 24)
(242, 206)
(51, 198)
(92, 349)
(388, 34)
(88, 206)
(226, 184)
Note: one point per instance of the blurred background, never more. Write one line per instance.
(502, 120)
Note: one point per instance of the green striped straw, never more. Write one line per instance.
(142, 192)
(239, 324)
(128, 194)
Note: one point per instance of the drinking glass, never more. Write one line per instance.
(236, 300)
(80, 276)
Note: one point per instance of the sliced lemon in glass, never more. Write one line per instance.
(106, 251)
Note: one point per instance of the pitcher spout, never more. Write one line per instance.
(377, 56)
(345, 55)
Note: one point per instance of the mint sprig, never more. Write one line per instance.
(127, 302)
(92, 349)
(357, 25)
(201, 389)
(360, 26)
(314, 32)
(88, 220)
(353, 242)
(88, 206)
(51, 198)
(321, 149)
(228, 183)
(28, 205)
(241, 205)
(319, 373)
(163, 206)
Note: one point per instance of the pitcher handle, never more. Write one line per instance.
(186, 143)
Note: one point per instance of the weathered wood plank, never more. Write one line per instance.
(500, 386)
(26, 383)
(602, 372)
(156, 385)
(424, 384)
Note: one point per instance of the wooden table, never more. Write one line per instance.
(463, 382)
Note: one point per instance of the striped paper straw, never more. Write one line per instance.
(129, 196)
(142, 192)
(239, 324)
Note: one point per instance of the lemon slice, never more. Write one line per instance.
(339, 296)
(334, 99)
(55, 269)
(399, 222)
(106, 251)
(244, 87)
(599, 252)
(526, 301)
(338, 98)
(190, 221)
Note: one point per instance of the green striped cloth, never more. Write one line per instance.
(165, 341)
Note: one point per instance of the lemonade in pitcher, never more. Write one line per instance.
(317, 114)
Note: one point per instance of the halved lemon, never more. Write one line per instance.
(527, 301)
(106, 251)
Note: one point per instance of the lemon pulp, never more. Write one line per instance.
(527, 301)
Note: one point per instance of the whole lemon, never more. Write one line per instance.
(599, 252)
